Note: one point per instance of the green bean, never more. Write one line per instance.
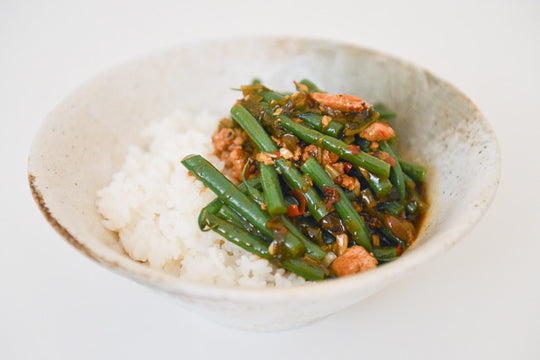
(393, 207)
(312, 249)
(304, 269)
(386, 232)
(273, 197)
(238, 201)
(396, 174)
(232, 216)
(383, 113)
(409, 183)
(294, 179)
(272, 95)
(422, 206)
(311, 86)
(351, 219)
(334, 128)
(387, 115)
(252, 127)
(292, 176)
(256, 246)
(338, 147)
(254, 194)
(385, 254)
(227, 192)
(237, 236)
(412, 207)
(250, 190)
(253, 182)
(294, 244)
(214, 206)
(416, 172)
(381, 186)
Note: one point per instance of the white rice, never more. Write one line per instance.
(153, 205)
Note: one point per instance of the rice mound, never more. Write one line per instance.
(153, 205)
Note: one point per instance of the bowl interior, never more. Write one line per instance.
(85, 139)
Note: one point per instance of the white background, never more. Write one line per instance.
(481, 300)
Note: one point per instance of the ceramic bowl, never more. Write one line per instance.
(85, 139)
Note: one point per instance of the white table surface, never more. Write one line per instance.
(481, 300)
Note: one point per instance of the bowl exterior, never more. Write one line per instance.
(85, 140)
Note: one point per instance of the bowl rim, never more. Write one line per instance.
(390, 271)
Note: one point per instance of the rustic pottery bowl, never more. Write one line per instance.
(85, 139)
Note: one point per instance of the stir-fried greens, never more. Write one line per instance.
(321, 192)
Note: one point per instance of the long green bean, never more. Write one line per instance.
(351, 219)
(273, 197)
(232, 216)
(386, 232)
(385, 254)
(393, 207)
(409, 183)
(304, 269)
(215, 205)
(334, 128)
(292, 176)
(381, 186)
(227, 192)
(416, 172)
(312, 249)
(258, 247)
(396, 174)
(236, 235)
(338, 147)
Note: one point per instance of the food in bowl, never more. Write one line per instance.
(311, 187)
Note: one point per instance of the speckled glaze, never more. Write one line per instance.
(85, 139)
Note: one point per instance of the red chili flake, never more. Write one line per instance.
(354, 149)
(298, 120)
(189, 173)
(347, 166)
(293, 210)
(338, 180)
(304, 189)
(399, 249)
(277, 154)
